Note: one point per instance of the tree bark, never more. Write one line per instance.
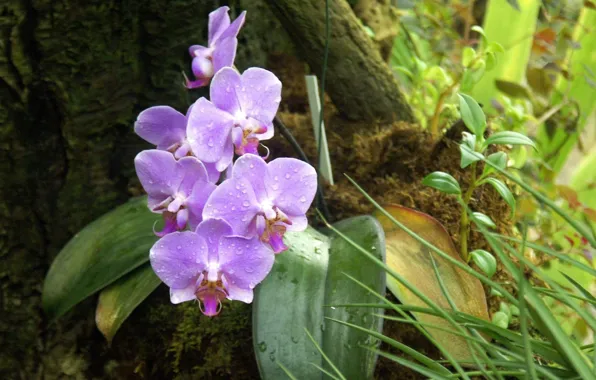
(360, 84)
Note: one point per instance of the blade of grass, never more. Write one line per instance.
(523, 317)
(423, 359)
(413, 366)
(287, 372)
(341, 376)
(324, 371)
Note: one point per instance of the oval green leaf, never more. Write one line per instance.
(510, 138)
(501, 319)
(442, 182)
(503, 191)
(308, 280)
(485, 220)
(343, 344)
(485, 261)
(499, 159)
(98, 255)
(121, 297)
(288, 301)
(472, 114)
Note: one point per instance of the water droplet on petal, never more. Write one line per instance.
(245, 204)
(288, 175)
(210, 142)
(249, 270)
(303, 199)
(179, 247)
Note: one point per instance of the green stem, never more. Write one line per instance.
(464, 224)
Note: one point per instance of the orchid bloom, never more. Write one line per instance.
(210, 264)
(221, 49)
(265, 199)
(165, 127)
(178, 189)
(239, 115)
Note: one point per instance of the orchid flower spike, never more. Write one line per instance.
(239, 115)
(206, 61)
(178, 189)
(265, 199)
(210, 264)
(165, 128)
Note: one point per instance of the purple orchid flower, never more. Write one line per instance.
(178, 189)
(210, 264)
(239, 115)
(165, 127)
(206, 61)
(265, 199)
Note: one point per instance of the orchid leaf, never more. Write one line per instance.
(443, 182)
(288, 301)
(308, 279)
(353, 360)
(412, 260)
(119, 299)
(101, 253)
(472, 114)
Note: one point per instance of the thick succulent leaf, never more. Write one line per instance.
(288, 301)
(120, 298)
(98, 255)
(297, 294)
(412, 260)
(343, 344)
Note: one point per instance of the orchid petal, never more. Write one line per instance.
(262, 96)
(245, 263)
(208, 130)
(299, 223)
(234, 201)
(182, 295)
(219, 21)
(225, 53)
(178, 258)
(227, 156)
(192, 171)
(254, 169)
(291, 184)
(162, 126)
(202, 67)
(213, 230)
(157, 170)
(233, 29)
(196, 202)
(225, 89)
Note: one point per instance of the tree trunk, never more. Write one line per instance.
(360, 84)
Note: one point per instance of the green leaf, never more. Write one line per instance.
(484, 219)
(505, 309)
(313, 275)
(120, 298)
(514, 4)
(511, 138)
(290, 299)
(485, 261)
(503, 191)
(501, 319)
(468, 54)
(472, 114)
(468, 156)
(98, 255)
(354, 362)
(442, 182)
(512, 89)
(499, 159)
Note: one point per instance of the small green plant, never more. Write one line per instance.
(473, 149)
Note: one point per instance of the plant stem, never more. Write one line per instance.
(434, 123)
(464, 224)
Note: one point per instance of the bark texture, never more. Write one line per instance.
(360, 84)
